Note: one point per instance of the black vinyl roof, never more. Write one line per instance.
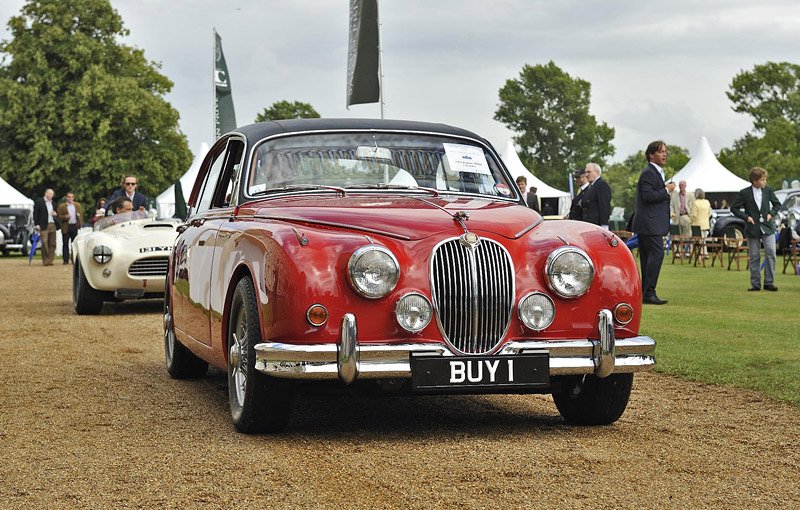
(255, 132)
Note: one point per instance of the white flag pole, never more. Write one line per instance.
(380, 57)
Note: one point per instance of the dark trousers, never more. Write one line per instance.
(66, 238)
(651, 255)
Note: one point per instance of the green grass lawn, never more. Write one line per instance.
(714, 331)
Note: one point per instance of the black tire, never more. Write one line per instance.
(258, 402)
(85, 299)
(590, 400)
(181, 362)
(26, 249)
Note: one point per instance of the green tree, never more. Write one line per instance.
(770, 91)
(78, 109)
(549, 111)
(286, 110)
(770, 94)
(622, 177)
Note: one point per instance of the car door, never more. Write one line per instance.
(195, 247)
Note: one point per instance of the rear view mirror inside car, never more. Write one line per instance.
(374, 152)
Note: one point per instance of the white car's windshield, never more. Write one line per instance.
(118, 218)
(375, 160)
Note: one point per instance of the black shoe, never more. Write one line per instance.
(66, 262)
(770, 288)
(754, 289)
(654, 301)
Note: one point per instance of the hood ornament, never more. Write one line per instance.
(461, 218)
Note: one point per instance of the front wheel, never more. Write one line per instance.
(590, 400)
(258, 402)
(85, 299)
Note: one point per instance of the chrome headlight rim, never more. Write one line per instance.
(548, 270)
(397, 311)
(102, 254)
(522, 317)
(356, 256)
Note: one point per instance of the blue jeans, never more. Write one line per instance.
(754, 252)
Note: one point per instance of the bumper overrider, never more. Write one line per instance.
(349, 360)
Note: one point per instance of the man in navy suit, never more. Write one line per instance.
(129, 185)
(757, 205)
(597, 199)
(651, 218)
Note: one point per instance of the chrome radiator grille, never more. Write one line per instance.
(150, 266)
(473, 293)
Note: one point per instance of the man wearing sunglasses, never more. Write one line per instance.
(129, 189)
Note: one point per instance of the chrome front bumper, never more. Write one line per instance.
(349, 360)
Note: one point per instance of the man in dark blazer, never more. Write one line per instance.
(129, 186)
(576, 209)
(597, 200)
(530, 199)
(651, 218)
(45, 217)
(757, 205)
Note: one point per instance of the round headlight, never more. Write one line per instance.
(537, 311)
(102, 253)
(413, 312)
(373, 271)
(569, 272)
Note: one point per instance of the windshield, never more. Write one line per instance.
(118, 218)
(376, 161)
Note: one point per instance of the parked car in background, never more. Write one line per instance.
(392, 254)
(124, 257)
(789, 212)
(16, 228)
(725, 225)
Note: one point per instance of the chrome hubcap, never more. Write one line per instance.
(169, 339)
(237, 358)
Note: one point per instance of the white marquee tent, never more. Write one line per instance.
(704, 171)
(10, 197)
(166, 200)
(515, 166)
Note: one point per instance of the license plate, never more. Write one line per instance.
(480, 374)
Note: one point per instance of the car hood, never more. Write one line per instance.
(401, 216)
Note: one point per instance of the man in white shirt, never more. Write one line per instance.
(531, 200)
(46, 219)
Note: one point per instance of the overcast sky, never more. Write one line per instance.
(657, 69)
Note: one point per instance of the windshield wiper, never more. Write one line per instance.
(383, 185)
(303, 187)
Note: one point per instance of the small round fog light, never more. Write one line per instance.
(537, 311)
(317, 315)
(413, 312)
(623, 313)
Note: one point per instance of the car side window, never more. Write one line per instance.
(230, 172)
(210, 184)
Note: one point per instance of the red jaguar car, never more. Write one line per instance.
(392, 253)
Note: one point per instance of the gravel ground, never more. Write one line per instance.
(90, 419)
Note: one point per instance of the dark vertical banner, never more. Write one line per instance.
(224, 115)
(363, 84)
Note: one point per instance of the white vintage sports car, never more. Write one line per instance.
(124, 257)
